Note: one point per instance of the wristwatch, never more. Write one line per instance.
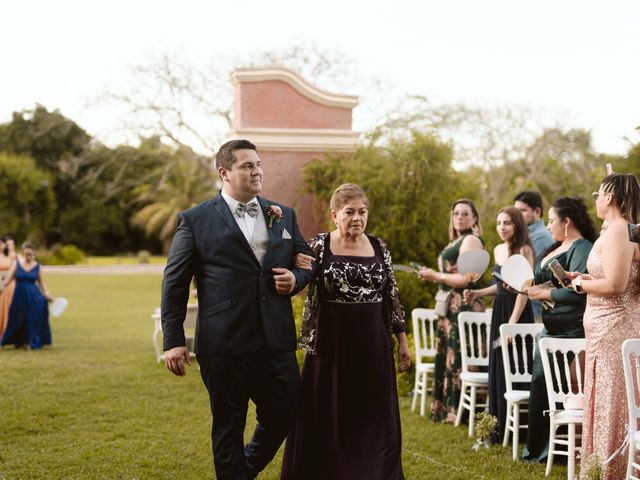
(578, 284)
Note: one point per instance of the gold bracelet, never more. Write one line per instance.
(441, 277)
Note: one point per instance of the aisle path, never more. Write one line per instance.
(105, 269)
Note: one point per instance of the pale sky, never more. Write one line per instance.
(579, 59)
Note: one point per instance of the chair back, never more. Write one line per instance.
(474, 328)
(191, 317)
(517, 356)
(424, 332)
(631, 364)
(561, 364)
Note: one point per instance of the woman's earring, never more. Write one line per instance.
(566, 231)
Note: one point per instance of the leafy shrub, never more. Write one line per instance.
(144, 256)
(63, 255)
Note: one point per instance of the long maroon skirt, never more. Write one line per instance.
(348, 421)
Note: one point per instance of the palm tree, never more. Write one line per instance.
(186, 181)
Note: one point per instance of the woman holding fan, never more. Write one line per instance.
(508, 307)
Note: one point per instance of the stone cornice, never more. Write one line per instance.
(243, 75)
(299, 139)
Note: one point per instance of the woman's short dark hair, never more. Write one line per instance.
(225, 157)
(626, 192)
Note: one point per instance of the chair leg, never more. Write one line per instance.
(571, 462)
(516, 430)
(507, 427)
(552, 446)
(423, 400)
(472, 410)
(415, 391)
(461, 405)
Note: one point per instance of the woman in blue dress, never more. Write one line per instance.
(28, 324)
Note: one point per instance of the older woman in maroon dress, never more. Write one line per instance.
(348, 421)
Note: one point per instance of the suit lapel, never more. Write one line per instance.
(271, 231)
(225, 212)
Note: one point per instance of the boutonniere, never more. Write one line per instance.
(274, 213)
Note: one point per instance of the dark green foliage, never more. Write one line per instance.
(27, 203)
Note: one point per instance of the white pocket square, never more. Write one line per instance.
(286, 235)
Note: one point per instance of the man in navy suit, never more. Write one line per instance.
(240, 249)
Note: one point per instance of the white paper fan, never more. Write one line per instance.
(517, 272)
(58, 306)
(473, 261)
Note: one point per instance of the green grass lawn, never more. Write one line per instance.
(97, 406)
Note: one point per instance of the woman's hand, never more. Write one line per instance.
(428, 274)
(303, 261)
(48, 296)
(578, 278)
(573, 275)
(470, 296)
(404, 355)
(538, 292)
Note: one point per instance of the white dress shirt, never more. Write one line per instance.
(254, 229)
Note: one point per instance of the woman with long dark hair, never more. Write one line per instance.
(574, 233)
(508, 307)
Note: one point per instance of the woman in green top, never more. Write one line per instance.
(464, 235)
(574, 233)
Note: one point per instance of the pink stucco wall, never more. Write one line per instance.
(282, 182)
(276, 104)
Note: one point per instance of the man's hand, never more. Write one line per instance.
(285, 280)
(175, 358)
(303, 261)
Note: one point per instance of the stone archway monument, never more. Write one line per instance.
(291, 122)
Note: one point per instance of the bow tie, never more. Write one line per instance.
(250, 208)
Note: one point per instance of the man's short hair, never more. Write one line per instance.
(225, 157)
(531, 198)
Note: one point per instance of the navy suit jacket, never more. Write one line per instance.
(239, 309)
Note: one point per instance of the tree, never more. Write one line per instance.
(411, 185)
(26, 197)
(186, 181)
(190, 102)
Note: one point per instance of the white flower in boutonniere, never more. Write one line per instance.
(274, 213)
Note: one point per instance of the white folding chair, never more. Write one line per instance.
(517, 369)
(189, 326)
(558, 354)
(474, 349)
(631, 363)
(424, 327)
